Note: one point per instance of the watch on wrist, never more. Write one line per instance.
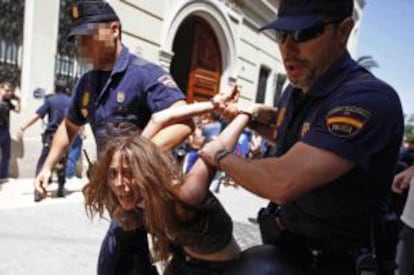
(220, 154)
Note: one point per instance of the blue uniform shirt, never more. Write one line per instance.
(55, 106)
(354, 115)
(131, 92)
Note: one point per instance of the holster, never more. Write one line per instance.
(270, 229)
(47, 139)
(384, 237)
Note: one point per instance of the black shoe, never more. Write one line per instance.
(37, 196)
(60, 192)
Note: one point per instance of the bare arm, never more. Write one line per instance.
(174, 114)
(263, 122)
(197, 181)
(26, 125)
(282, 179)
(169, 123)
(263, 118)
(170, 136)
(64, 135)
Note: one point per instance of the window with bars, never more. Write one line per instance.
(262, 84)
(11, 40)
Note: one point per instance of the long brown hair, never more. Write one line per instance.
(156, 174)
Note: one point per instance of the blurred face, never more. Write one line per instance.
(101, 46)
(6, 91)
(308, 54)
(123, 184)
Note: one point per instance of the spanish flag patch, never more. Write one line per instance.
(345, 121)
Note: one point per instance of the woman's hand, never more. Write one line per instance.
(223, 99)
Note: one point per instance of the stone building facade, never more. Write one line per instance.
(205, 44)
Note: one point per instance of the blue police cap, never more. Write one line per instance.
(86, 16)
(301, 14)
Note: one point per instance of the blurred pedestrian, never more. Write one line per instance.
(54, 107)
(9, 101)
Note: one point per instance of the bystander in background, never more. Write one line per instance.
(55, 107)
(9, 101)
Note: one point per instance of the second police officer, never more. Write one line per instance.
(55, 107)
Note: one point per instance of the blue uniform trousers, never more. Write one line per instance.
(5, 147)
(47, 143)
(125, 252)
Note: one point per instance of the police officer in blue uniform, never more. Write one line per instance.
(121, 88)
(55, 107)
(337, 131)
(9, 101)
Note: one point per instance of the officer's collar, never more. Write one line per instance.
(121, 62)
(334, 77)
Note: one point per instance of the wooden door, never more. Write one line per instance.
(205, 72)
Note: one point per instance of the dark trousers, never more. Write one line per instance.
(182, 264)
(124, 252)
(405, 251)
(61, 166)
(5, 147)
(298, 252)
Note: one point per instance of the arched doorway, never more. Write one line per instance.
(197, 64)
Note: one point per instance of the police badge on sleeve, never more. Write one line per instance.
(345, 121)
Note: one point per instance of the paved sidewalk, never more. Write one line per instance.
(56, 237)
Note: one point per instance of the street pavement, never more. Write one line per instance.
(56, 237)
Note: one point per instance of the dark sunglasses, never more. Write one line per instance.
(305, 34)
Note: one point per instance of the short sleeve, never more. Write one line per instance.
(162, 91)
(44, 109)
(357, 124)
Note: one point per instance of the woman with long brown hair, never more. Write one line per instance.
(146, 188)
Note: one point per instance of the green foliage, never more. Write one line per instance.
(409, 128)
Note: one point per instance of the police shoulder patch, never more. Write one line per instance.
(344, 121)
(167, 80)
